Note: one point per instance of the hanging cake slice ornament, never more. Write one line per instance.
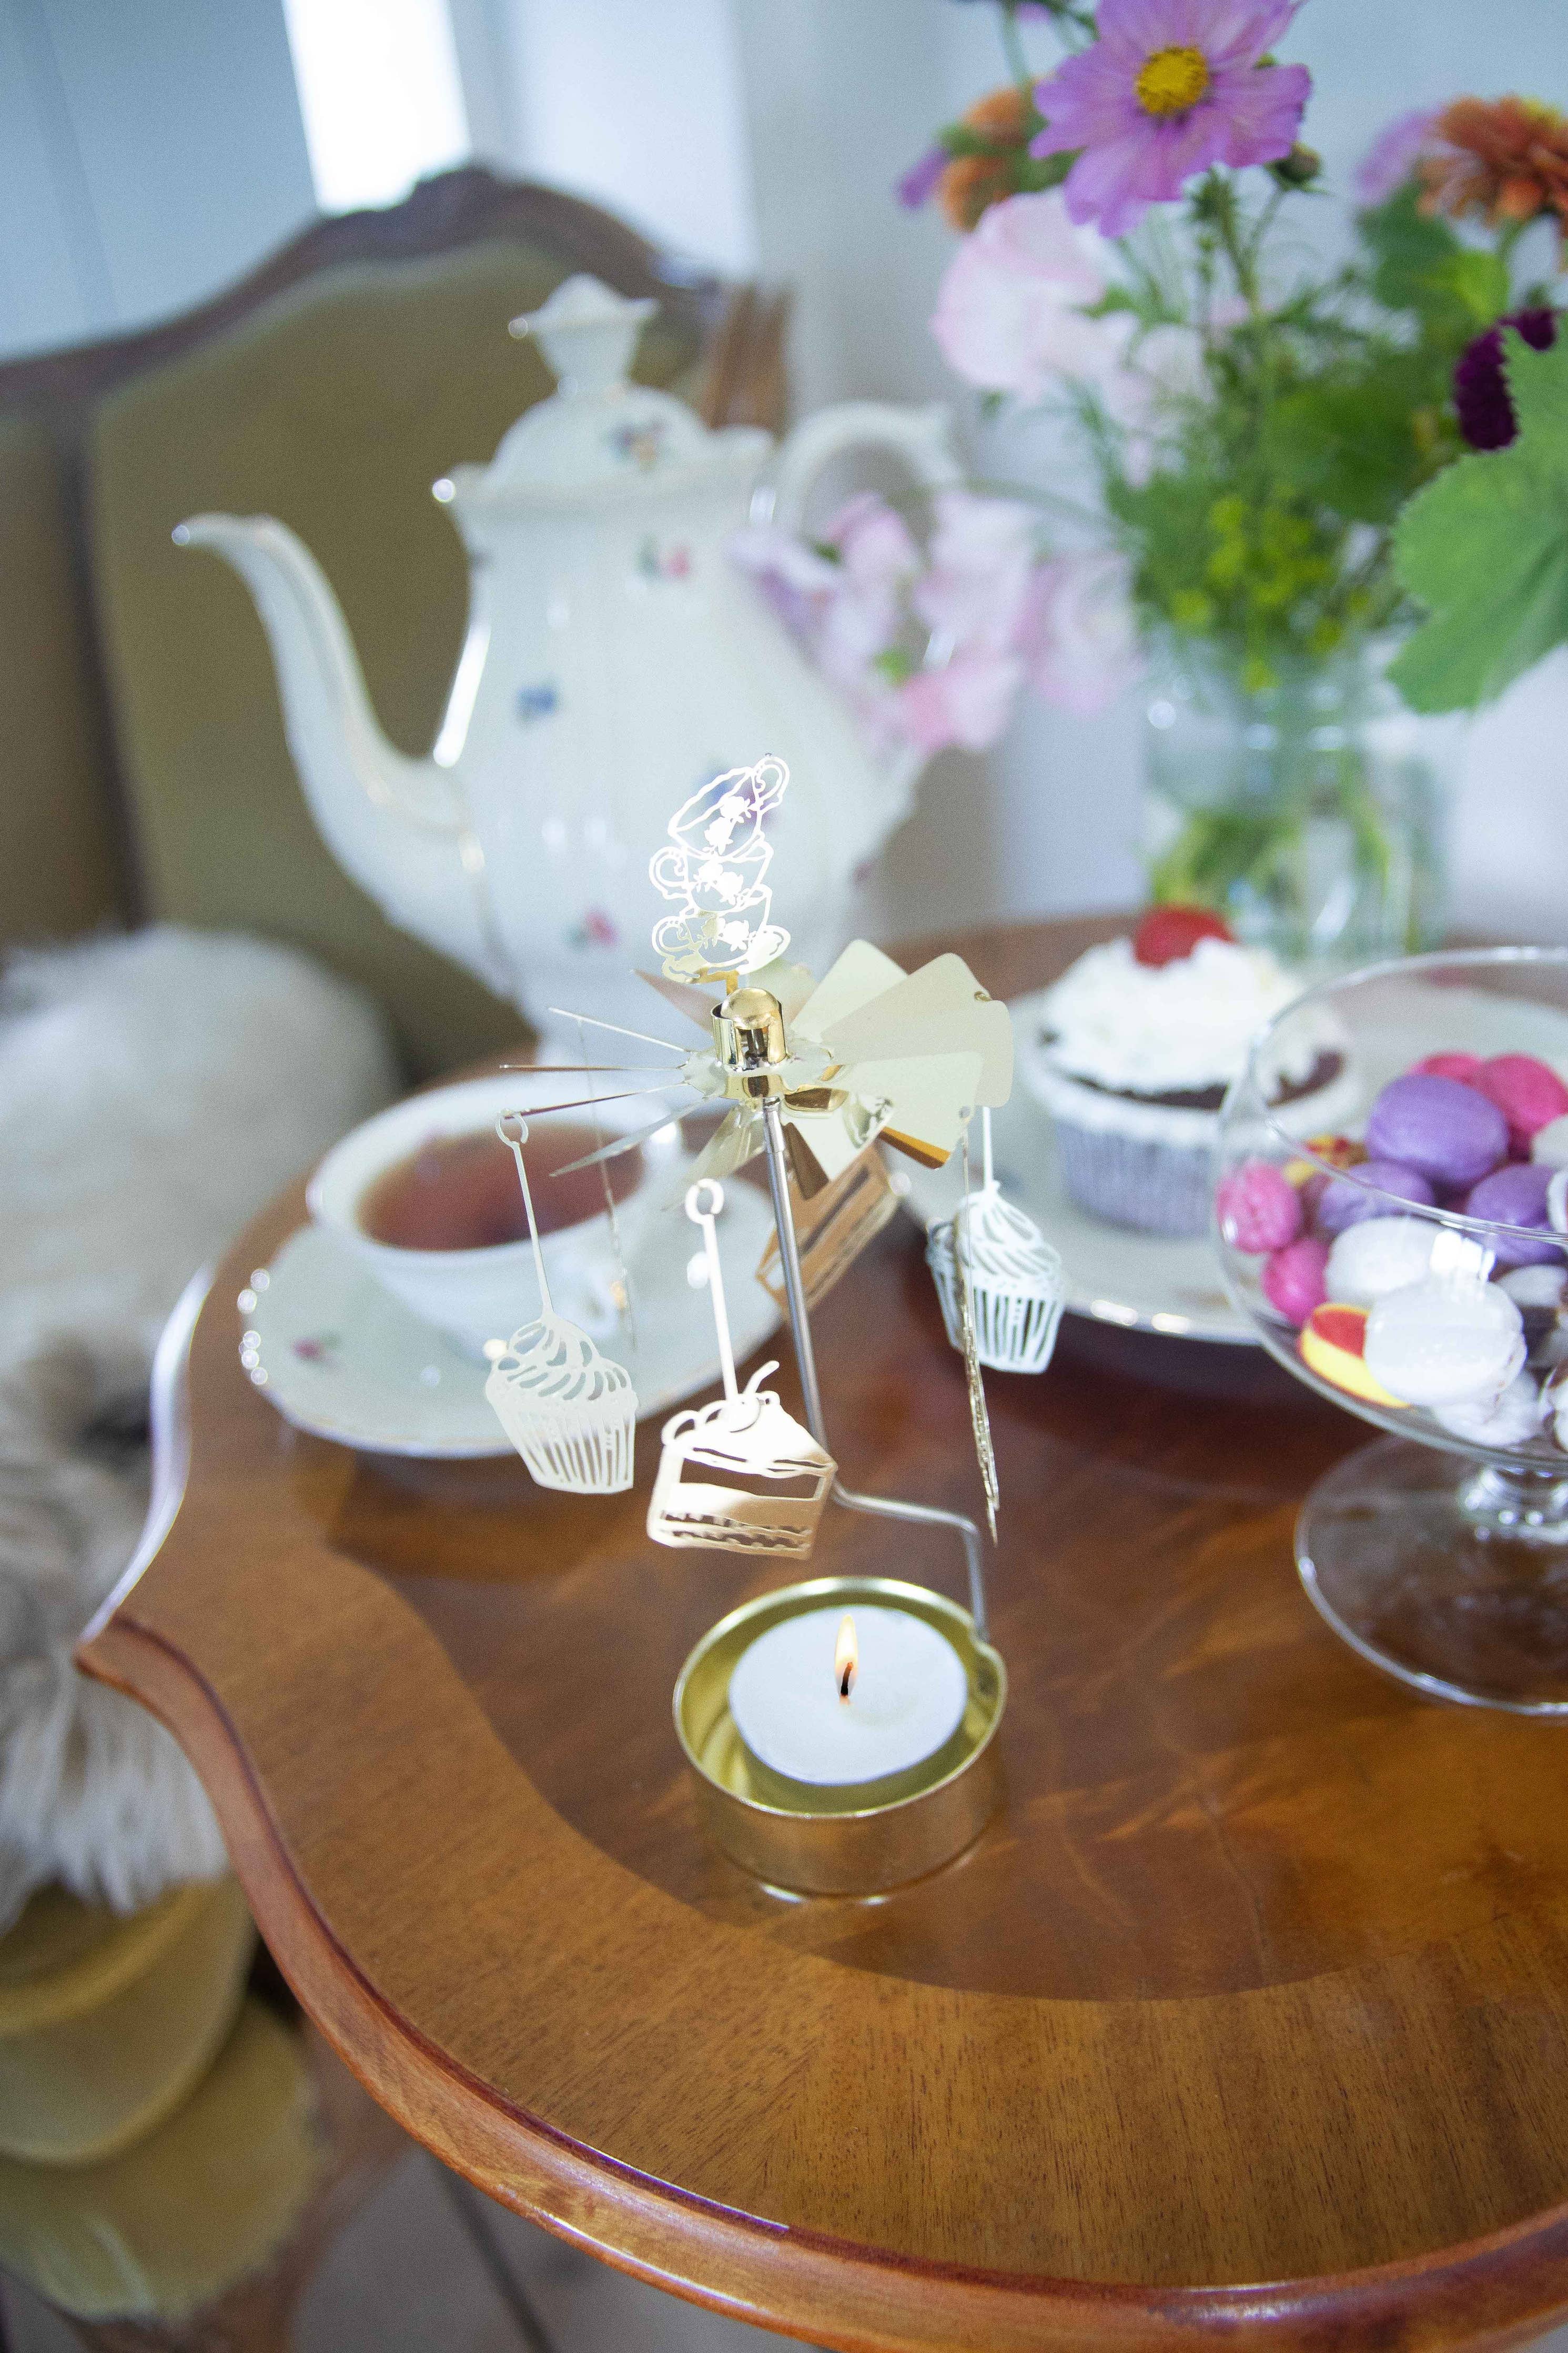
(1015, 1282)
(744, 1435)
(569, 1411)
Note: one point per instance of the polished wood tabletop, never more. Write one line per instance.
(1245, 2019)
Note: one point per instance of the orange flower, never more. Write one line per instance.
(1505, 158)
(973, 184)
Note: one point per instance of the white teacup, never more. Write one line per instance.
(476, 1296)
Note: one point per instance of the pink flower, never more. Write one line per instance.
(982, 552)
(1392, 157)
(1169, 88)
(1077, 637)
(878, 559)
(968, 701)
(796, 581)
(1010, 312)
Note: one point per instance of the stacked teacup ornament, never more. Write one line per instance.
(569, 1411)
(713, 869)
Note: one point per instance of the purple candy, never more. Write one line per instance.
(1516, 1196)
(1345, 1202)
(1447, 1131)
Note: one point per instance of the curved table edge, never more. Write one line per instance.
(1489, 2294)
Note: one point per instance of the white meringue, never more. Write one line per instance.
(1445, 1343)
(1378, 1255)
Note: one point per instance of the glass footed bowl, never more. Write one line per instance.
(1437, 1311)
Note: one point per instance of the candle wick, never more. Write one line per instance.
(845, 1681)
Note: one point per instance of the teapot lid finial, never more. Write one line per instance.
(588, 332)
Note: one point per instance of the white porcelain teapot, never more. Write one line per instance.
(615, 660)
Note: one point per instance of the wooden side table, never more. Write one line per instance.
(1246, 2021)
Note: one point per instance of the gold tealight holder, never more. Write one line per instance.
(853, 1839)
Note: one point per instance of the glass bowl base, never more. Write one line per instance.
(1451, 1576)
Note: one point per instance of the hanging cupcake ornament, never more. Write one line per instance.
(1014, 1277)
(569, 1411)
(744, 1435)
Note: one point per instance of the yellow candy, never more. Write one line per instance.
(1332, 1343)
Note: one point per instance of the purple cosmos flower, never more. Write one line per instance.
(1390, 160)
(1169, 88)
(1480, 388)
(921, 178)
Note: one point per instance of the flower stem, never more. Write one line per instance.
(1013, 46)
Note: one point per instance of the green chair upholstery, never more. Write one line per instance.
(60, 870)
(335, 407)
(107, 2022)
(211, 2196)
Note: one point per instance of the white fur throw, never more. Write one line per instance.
(155, 1092)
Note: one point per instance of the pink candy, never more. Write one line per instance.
(1462, 1067)
(1294, 1279)
(1529, 1094)
(1258, 1207)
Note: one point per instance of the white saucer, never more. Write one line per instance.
(1145, 1282)
(341, 1357)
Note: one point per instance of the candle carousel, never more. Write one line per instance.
(841, 1730)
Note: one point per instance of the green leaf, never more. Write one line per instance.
(1480, 280)
(1485, 548)
(1419, 264)
(1348, 438)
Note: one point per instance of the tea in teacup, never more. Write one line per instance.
(462, 1193)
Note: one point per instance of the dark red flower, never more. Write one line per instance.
(1480, 388)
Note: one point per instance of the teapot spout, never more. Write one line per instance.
(396, 825)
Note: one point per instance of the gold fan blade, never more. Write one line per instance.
(854, 979)
(792, 984)
(588, 1103)
(737, 1138)
(697, 1006)
(617, 1143)
(928, 1100)
(940, 1010)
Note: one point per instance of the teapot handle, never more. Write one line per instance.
(920, 437)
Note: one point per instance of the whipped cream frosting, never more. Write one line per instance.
(1164, 1029)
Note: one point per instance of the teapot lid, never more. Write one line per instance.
(597, 430)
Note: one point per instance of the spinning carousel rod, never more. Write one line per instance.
(885, 1507)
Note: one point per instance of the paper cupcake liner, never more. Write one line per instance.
(1161, 1188)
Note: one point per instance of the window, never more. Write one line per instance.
(380, 94)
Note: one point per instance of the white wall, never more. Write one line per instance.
(151, 151)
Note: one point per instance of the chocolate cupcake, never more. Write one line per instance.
(1138, 1043)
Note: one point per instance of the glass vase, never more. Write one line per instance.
(1309, 813)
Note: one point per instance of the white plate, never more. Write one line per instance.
(341, 1357)
(1145, 1282)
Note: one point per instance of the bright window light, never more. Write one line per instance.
(380, 94)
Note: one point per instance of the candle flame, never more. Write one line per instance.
(846, 1657)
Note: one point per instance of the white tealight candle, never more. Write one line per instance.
(905, 1699)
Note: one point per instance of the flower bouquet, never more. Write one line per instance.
(1325, 493)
